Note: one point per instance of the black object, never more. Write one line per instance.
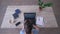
(15, 16)
(17, 23)
(31, 16)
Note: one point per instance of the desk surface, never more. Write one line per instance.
(47, 13)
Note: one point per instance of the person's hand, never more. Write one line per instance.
(36, 27)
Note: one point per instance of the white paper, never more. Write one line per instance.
(39, 21)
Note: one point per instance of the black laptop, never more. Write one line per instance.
(31, 16)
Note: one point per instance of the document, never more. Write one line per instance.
(40, 20)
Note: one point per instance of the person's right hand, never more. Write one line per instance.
(36, 27)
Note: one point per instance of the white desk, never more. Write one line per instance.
(47, 13)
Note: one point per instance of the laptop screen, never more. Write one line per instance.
(29, 15)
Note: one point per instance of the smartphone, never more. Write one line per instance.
(17, 23)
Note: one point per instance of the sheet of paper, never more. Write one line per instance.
(39, 21)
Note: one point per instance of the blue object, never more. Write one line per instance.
(33, 30)
(22, 32)
(17, 11)
(15, 15)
